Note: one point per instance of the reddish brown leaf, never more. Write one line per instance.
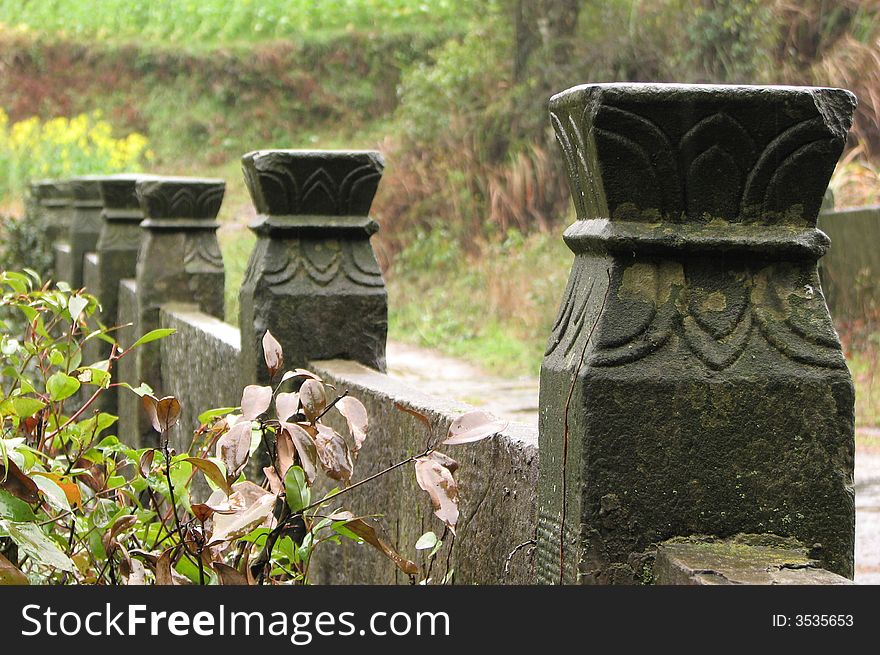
(10, 574)
(212, 471)
(445, 460)
(146, 462)
(275, 484)
(13, 480)
(164, 576)
(313, 397)
(474, 426)
(233, 448)
(368, 533)
(435, 477)
(202, 512)
(300, 373)
(122, 524)
(94, 476)
(272, 353)
(424, 419)
(163, 413)
(228, 575)
(286, 405)
(333, 454)
(137, 575)
(253, 514)
(255, 400)
(285, 451)
(356, 416)
(305, 449)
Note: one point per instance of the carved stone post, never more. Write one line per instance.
(50, 205)
(114, 259)
(179, 258)
(85, 226)
(693, 382)
(119, 240)
(313, 279)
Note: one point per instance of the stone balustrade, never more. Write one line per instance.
(693, 384)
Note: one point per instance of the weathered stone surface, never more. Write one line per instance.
(313, 279)
(497, 478)
(744, 559)
(119, 239)
(132, 424)
(114, 260)
(851, 268)
(50, 204)
(693, 383)
(85, 225)
(199, 366)
(179, 258)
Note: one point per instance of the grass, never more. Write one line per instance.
(494, 308)
(214, 22)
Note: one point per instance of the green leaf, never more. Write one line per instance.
(24, 407)
(53, 493)
(40, 548)
(207, 416)
(298, 493)
(96, 376)
(14, 509)
(143, 389)
(153, 335)
(76, 305)
(61, 386)
(426, 541)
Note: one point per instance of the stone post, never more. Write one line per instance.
(115, 259)
(119, 239)
(179, 258)
(693, 382)
(85, 226)
(313, 279)
(50, 205)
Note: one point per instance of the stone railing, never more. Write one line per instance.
(693, 384)
(851, 269)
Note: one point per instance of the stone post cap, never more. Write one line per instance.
(180, 203)
(119, 196)
(701, 165)
(51, 193)
(313, 189)
(85, 191)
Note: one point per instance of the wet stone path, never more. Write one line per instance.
(516, 399)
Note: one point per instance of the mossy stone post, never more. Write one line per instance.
(313, 279)
(85, 226)
(179, 258)
(119, 240)
(116, 259)
(693, 382)
(49, 205)
(47, 214)
(54, 206)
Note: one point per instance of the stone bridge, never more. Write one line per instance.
(695, 416)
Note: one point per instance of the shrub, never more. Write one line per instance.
(62, 147)
(79, 506)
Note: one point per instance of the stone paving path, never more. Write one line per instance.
(517, 400)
